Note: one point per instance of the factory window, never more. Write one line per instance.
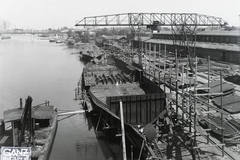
(211, 39)
(216, 39)
(177, 38)
(221, 39)
(232, 40)
(198, 38)
(226, 39)
(207, 38)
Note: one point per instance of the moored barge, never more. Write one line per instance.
(33, 127)
(89, 52)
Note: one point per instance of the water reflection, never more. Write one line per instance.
(48, 71)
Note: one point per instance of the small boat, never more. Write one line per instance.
(59, 41)
(33, 127)
(43, 37)
(52, 40)
(5, 37)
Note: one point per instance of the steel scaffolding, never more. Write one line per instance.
(187, 101)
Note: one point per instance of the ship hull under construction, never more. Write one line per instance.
(114, 81)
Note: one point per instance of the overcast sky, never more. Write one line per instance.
(43, 14)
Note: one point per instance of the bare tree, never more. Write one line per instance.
(5, 24)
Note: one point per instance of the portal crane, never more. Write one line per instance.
(183, 25)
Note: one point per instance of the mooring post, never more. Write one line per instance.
(20, 103)
(76, 94)
(123, 132)
(131, 152)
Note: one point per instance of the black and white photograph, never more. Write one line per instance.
(119, 80)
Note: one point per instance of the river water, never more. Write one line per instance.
(48, 71)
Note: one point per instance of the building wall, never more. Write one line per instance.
(229, 39)
(219, 55)
(215, 54)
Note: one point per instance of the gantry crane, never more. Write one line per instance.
(183, 25)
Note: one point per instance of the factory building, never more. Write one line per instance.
(220, 45)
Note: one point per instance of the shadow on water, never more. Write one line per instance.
(91, 144)
(65, 117)
(48, 71)
(109, 143)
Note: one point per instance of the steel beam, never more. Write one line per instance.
(149, 19)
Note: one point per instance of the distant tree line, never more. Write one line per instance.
(87, 35)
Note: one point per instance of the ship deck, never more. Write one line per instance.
(102, 91)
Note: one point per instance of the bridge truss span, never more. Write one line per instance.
(146, 19)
